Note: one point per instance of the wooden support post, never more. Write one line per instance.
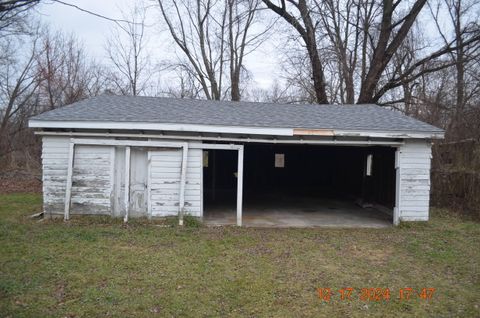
(214, 169)
(68, 189)
(127, 182)
(183, 177)
(396, 209)
(112, 181)
(149, 184)
(202, 186)
(240, 186)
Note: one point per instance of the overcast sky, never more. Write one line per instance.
(264, 64)
(92, 31)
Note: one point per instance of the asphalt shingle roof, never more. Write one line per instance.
(223, 113)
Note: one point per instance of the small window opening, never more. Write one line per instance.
(279, 160)
(369, 165)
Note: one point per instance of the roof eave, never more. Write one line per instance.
(391, 134)
(274, 131)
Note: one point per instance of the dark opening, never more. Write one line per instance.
(326, 171)
(290, 175)
(219, 178)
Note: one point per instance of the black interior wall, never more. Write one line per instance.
(309, 170)
(219, 179)
(326, 171)
(383, 176)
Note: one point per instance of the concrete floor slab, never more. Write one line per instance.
(306, 212)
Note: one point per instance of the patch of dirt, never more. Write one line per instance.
(20, 181)
(60, 293)
(376, 256)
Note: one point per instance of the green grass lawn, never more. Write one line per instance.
(93, 267)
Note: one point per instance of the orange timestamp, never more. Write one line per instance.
(375, 294)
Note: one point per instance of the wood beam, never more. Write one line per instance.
(183, 177)
(68, 189)
(396, 209)
(240, 186)
(127, 183)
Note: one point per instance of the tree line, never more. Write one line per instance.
(348, 51)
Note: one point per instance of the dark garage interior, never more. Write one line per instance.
(302, 185)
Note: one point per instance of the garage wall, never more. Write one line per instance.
(413, 162)
(308, 170)
(382, 180)
(98, 168)
(165, 169)
(54, 163)
(93, 178)
(92, 182)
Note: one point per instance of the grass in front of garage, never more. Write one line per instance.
(100, 267)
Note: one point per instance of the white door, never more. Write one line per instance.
(165, 175)
(165, 167)
(138, 182)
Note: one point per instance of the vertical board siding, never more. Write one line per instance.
(119, 182)
(415, 157)
(94, 177)
(138, 182)
(92, 180)
(98, 173)
(165, 169)
(54, 164)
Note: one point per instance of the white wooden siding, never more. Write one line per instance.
(119, 182)
(138, 182)
(98, 168)
(54, 163)
(414, 186)
(92, 180)
(165, 168)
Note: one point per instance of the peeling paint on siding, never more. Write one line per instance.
(415, 157)
(54, 163)
(91, 185)
(165, 181)
(91, 170)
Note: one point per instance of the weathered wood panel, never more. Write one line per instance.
(54, 163)
(91, 179)
(138, 182)
(98, 173)
(165, 169)
(92, 186)
(414, 172)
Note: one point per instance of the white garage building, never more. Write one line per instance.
(235, 161)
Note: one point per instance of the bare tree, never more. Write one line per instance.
(18, 94)
(127, 51)
(242, 40)
(392, 33)
(18, 83)
(297, 71)
(424, 64)
(185, 86)
(464, 57)
(364, 37)
(13, 14)
(276, 93)
(341, 23)
(214, 37)
(66, 74)
(198, 28)
(464, 22)
(447, 97)
(45, 70)
(305, 26)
